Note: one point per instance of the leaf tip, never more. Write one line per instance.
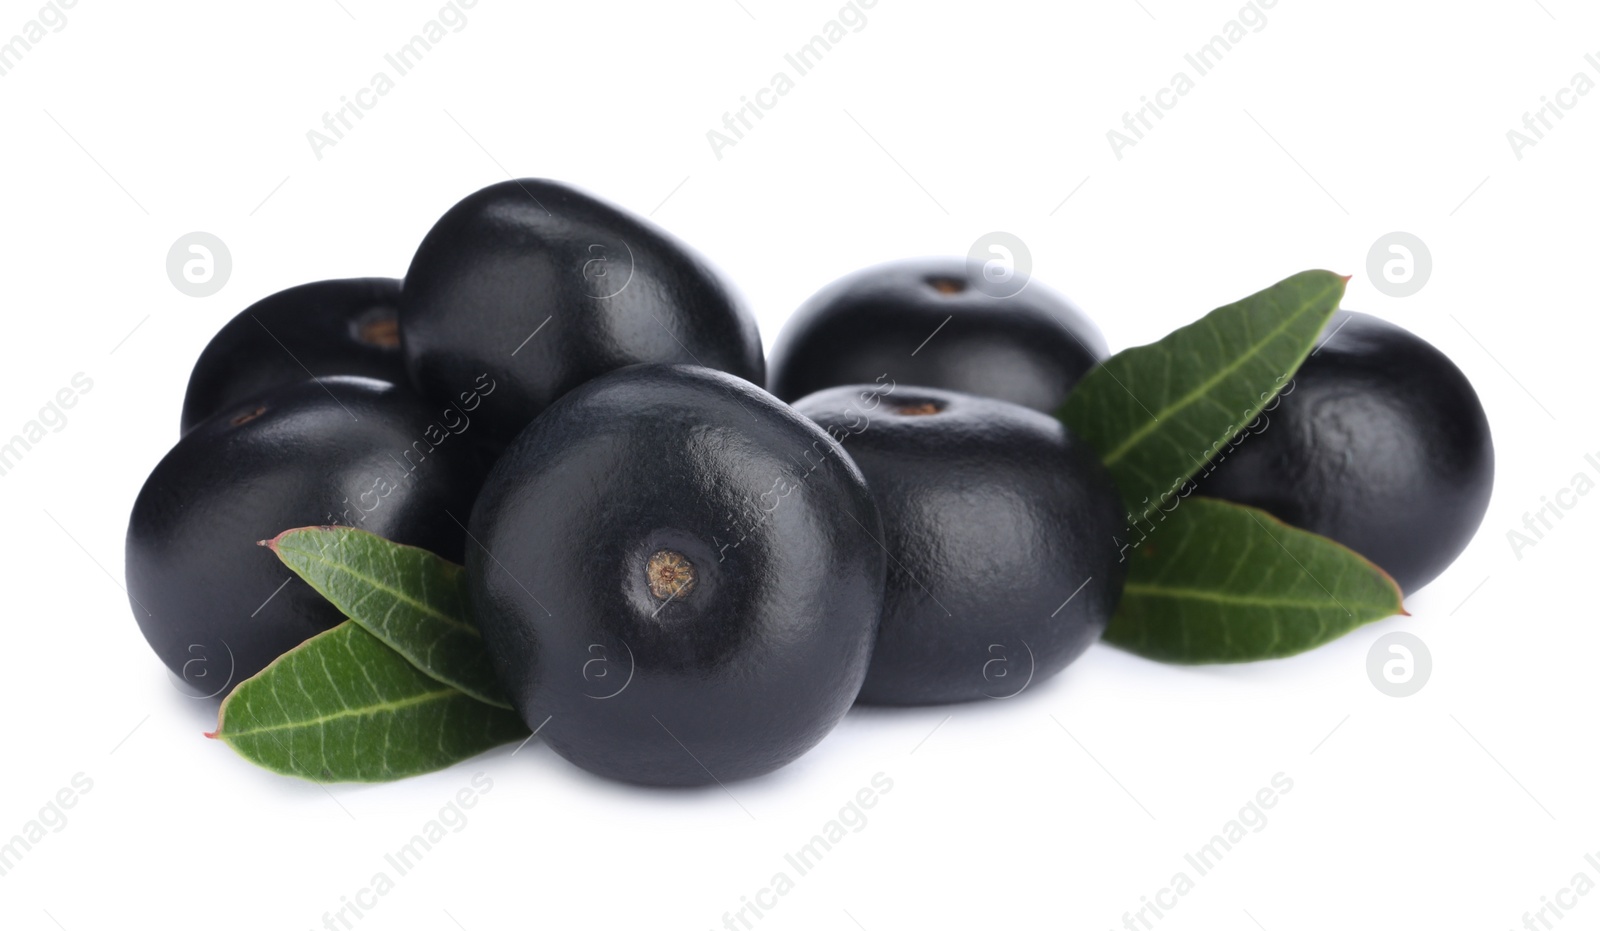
(1399, 593)
(276, 542)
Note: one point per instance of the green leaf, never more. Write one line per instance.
(407, 597)
(342, 707)
(1217, 582)
(1157, 413)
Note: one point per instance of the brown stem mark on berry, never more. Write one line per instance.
(380, 328)
(918, 408)
(248, 416)
(947, 285)
(669, 574)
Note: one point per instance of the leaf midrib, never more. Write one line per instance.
(1200, 594)
(363, 711)
(398, 595)
(1201, 390)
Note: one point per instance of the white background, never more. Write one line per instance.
(1461, 807)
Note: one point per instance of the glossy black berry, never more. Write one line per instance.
(214, 605)
(928, 322)
(348, 326)
(679, 577)
(1378, 442)
(1000, 526)
(541, 287)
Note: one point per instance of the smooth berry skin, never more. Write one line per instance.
(649, 469)
(540, 287)
(346, 326)
(1001, 524)
(214, 605)
(927, 322)
(1379, 442)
